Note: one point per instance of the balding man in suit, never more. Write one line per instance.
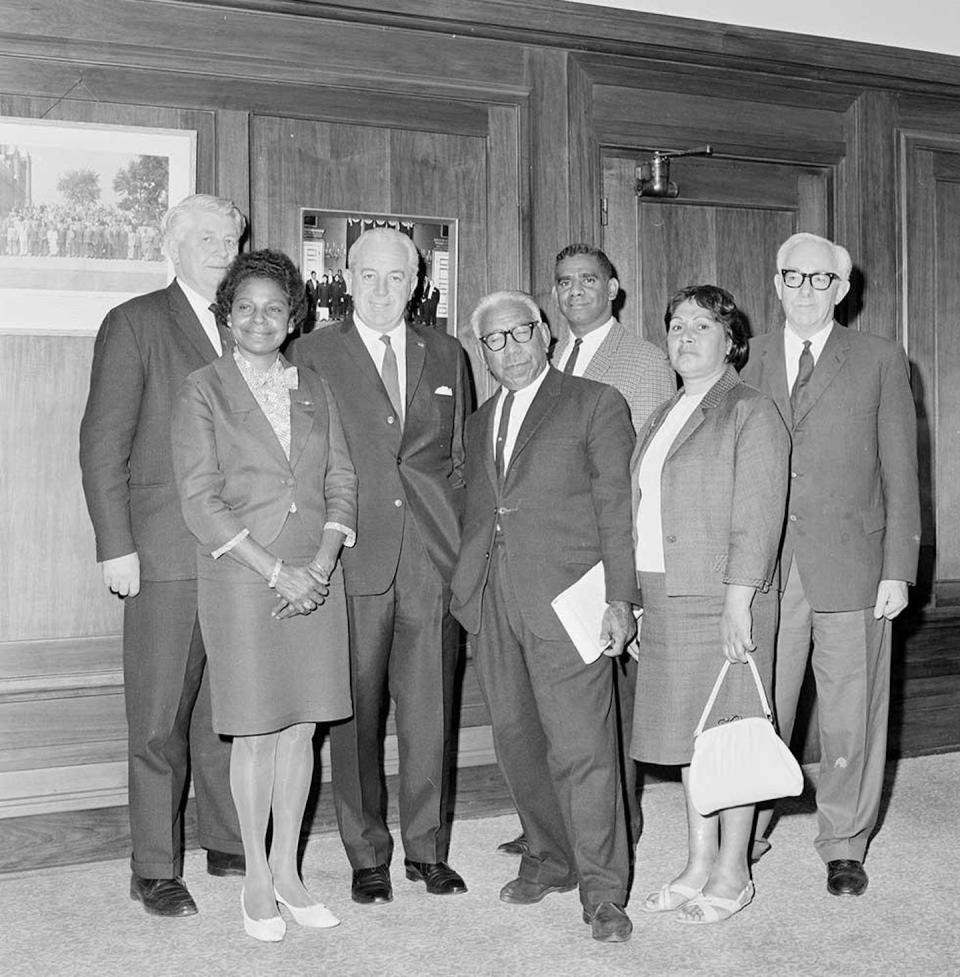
(144, 351)
(852, 536)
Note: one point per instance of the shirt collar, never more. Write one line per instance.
(793, 342)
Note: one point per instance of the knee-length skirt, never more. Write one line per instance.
(267, 674)
(680, 658)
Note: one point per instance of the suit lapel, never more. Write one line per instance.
(486, 414)
(361, 356)
(542, 405)
(416, 354)
(710, 400)
(829, 364)
(775, 374)
(605, 355)
(243, 404)
(187, 322)
(303, 414)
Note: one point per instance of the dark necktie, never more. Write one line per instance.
(502, 435)
(572, 358)
(804, 373)
(226, 337)
(390, 377)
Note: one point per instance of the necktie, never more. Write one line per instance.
(804, 373)
(226, 337)
(572, 358)
(390, 377)
(502, 435)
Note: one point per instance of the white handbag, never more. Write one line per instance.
(740, 761)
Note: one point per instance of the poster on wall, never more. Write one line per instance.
(325, 240)
(80, 212)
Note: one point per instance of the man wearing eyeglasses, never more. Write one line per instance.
(852, 536)
(548, 496)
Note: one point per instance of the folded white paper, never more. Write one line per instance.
(580, 609)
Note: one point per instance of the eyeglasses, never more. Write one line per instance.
(496, 340)
(820, 280)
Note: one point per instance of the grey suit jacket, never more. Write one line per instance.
(565, 502)
(144, 351)
(232, 472)
(854, 510)
(723, 490)
(639, 369)
(414, 472)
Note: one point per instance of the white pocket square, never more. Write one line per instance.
(443, 392)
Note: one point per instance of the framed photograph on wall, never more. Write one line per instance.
(80, 211)
(325, 240)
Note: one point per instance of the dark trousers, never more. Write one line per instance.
(403, 644)
(555, 733)
(626, 681)
(170, 730)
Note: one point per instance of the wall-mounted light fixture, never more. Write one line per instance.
(653, 175)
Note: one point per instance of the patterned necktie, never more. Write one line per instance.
(390, 377)
(502, 435)
(804, 372)
(572, 358)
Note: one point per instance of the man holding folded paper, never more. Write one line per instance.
(548, 497)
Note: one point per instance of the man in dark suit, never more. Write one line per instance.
(852, 536)
(402, 396)
(144, 350)
(548, 496)
(597, 347)
(312, 290)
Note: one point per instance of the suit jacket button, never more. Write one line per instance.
(398, 502)
(399, 460)
(486, 555)
(390, 419)
(670, 539)
(792, 517)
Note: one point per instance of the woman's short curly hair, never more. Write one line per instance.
(274, 266)
(721, 305)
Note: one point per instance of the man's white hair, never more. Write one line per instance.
(841, 256)
(496, 298)
(177, 217)
(386, 235)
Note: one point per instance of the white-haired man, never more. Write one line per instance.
(852, 536)
(144, 351)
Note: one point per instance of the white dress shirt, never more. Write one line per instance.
(376, 348)
(649, 517)
(793, 347)
(522, 399)
(208, 320)
(589, 345)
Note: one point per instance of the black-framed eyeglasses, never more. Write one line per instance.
(496, 340)
(819, 280)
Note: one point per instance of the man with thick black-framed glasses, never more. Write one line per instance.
(548, 496)
(851, 541)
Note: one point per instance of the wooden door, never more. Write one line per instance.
(723, 229)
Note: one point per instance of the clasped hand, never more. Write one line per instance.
(300, 590)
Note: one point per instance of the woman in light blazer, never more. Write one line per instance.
(709, 488)
(268, 489)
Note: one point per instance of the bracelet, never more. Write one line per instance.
(274, 574)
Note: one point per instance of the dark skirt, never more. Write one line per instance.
(267, 674)
(680, 658)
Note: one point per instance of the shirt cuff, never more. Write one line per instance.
(351, 536)
(217, 553)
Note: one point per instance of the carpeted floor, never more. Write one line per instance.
(80, 921)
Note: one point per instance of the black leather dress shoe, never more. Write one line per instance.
(222, 863)
(517, 846)
(440, 878)
(163, 897)
(608, 922)
(371, 885)
(846, 877)
(522, 892)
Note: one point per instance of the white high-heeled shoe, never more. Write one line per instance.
(316, 916)
(270, 930)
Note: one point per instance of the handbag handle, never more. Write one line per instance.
(716, 689)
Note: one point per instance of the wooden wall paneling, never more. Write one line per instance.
(583, 157)
(814, 202)
(232, 157)
(666, 120)
(868, 225)
(619, 241)
(550, 173)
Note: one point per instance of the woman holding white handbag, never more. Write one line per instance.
(710, 477)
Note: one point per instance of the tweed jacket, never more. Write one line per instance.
(639, 369)
(232, 472)
(564, 505)
(723, 490)
(854, 510)
(413, 471)
(144, 351)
